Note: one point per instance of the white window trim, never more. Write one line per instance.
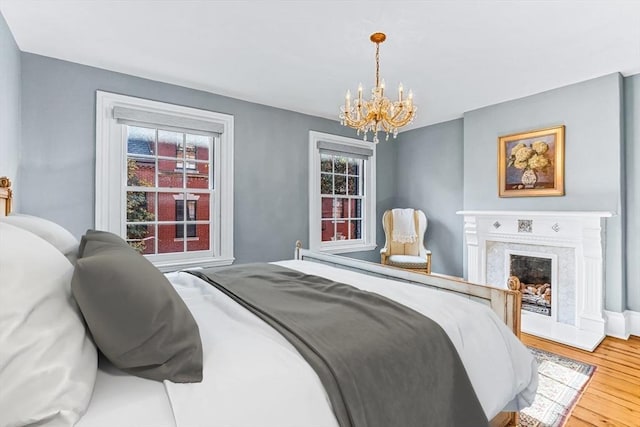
(111, 175)
(369, 221)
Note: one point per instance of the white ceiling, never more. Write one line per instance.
(456, 55)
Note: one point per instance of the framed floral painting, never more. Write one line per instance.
(531, 163)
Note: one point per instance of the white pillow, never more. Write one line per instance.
(48, 364)
(53, 233)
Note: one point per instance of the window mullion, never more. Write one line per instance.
(156, 181)
(185, 235)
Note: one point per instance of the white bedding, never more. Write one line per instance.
(120, 399)
(254, 377)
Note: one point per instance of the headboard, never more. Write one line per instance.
(5, 196)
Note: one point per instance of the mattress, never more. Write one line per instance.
(120, 399)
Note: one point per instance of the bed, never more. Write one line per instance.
(253, 376)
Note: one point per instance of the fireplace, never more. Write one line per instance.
(532, 276)
(558, 258)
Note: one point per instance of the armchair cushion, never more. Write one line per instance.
(407, 261)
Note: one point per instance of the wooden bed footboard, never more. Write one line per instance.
(505, 419)
(5, 196)
(505, 303)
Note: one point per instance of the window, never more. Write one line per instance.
(341, 194)
(191, 216)
(186, 151)
(164, 172)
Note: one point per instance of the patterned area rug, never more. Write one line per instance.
(561, 382)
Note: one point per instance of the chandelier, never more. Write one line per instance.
(379, 113)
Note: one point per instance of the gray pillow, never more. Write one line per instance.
(99, 236)
(137, 319)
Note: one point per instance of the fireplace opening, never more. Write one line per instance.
(532, 275)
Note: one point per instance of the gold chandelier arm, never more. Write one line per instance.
(386, 126)
(405, 120)
(354, 123)
(400, 117)
(398, 110)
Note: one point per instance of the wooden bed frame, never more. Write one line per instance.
(504, 302)
(5, 196)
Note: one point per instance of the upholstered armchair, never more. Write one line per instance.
(412, 255)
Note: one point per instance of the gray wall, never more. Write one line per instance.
(271, 154)
(591, 112)
(632, 155)
(430, 177)
(9, 104)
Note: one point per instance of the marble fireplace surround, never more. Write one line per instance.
(575, 238)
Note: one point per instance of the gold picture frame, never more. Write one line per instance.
(531, 163)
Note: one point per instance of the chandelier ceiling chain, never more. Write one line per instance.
(377, 64)
(378, 114)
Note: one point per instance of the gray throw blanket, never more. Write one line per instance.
(381, 363)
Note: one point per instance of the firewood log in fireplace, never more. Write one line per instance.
(542, 289)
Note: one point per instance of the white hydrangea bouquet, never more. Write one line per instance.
(530, 157)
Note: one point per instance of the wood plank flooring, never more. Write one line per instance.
(612, 398)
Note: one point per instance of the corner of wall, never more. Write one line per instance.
(623, 192)
(10, 108)
(631, 163)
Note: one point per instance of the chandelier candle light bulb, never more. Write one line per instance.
(379, 113)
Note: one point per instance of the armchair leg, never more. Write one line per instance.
(383, 258)
(428, 263)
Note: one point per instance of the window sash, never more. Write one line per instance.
(182, 149)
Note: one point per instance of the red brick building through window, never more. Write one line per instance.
(168, 197)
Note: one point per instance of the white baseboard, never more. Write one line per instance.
(633, 322)
(621, 325)
(617, 324)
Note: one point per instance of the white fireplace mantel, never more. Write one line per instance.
(583, 231)
(595, 214)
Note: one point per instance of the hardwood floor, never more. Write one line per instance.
(612, 398)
